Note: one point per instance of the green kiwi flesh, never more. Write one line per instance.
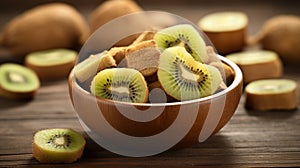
(17, 81)
(120, 84)
(184, 78)
(183, 35)
(59, 145)
(51, 57)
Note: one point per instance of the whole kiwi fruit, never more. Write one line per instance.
(48, 26)
(111, 9)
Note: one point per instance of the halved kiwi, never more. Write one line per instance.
(120, 84)
(184, 35)
(272, 94)
(184, 78)
(59, 145)
(17, 81)
(257, 64)
(51, 64)
(227, 30)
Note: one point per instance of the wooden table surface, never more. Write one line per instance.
(250, 139)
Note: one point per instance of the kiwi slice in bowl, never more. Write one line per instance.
(183, 78)
(17, 81)
(120, 84)
(59, 145)
(51, 64)
(184, 35)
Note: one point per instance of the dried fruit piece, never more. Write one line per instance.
(143, 57)
(93, 64)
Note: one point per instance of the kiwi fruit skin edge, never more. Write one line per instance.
(48, 26)
(109, 84)
(260, 69)
(58, 70)
(228, 40)
(178, 57)
(272, 101)
(8, 92)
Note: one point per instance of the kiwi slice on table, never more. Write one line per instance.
(271, 94)
(121, 84)
(17, 81)
(59, 145)
(184, 78)
(51, 64)
(257, 64)
(184, 35)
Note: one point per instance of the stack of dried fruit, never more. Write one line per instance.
(175, 59)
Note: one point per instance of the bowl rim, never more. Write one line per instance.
(238, 78)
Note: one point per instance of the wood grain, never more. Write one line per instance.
(250, 139)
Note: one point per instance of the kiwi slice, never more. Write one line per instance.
(227, 30)
(271, 94)
(120, 84)
(184, 35)
(51, 64)
(257, 64)
(93, 64)
(59, 145)
(17, 81)
(184, 78)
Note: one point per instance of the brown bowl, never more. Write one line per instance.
(126, 128)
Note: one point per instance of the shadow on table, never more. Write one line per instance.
(217, 150)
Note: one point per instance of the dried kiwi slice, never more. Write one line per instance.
(59, 145)
(272, 94)
(120, 84)
(184, 78)
(184, 35)
(17, 81)
(51, 64)
(93, 64)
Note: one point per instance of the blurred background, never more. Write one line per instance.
(257, 10)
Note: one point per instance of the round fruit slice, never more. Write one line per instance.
(226, 30)
(259, 64)
(120, 84)
(184, 78)
(183, 35)
(272, 94)
(51, 64)
(58, 145)
(17, 81)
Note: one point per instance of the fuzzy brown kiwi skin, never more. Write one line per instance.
(51, 27)
(111, 9)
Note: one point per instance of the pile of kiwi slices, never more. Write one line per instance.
(174, 59)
